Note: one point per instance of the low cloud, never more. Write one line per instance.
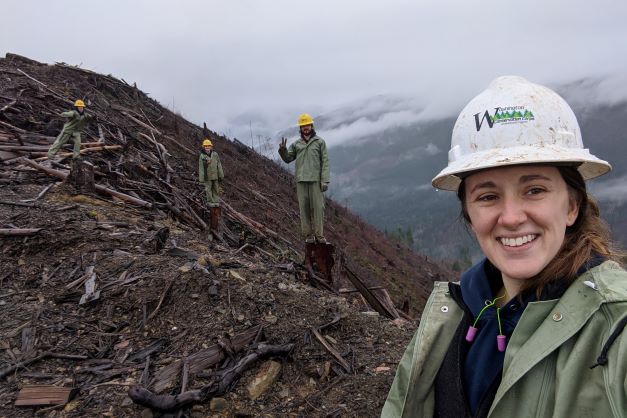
(591, 92)
(372, 117)
(419, 153)
(362, 127)
(614, 190)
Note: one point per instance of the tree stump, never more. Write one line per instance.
(156, 241)
(320, 257)
(82, 176)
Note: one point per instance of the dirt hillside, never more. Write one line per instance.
(175, 309)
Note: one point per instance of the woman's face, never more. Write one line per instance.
(519, 215)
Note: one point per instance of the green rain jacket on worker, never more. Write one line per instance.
(312, 169)
(312, 159)
(71, 128)
(209, 173)
(77, 121)
(546, 372)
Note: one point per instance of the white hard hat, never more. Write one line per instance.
(516, 122)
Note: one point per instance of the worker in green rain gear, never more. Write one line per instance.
(72, 129)
(211, 174)
(312, 177)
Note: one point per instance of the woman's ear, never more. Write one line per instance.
(573, 210)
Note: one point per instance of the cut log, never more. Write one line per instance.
(61, 175)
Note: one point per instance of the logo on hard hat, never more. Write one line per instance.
(504, 115)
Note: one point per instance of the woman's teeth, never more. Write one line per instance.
(517, 242)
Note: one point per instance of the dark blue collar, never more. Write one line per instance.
(482, 282)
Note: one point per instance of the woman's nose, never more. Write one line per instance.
(513, 213)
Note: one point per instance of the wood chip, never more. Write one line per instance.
(44, 395)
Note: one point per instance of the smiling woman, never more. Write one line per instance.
(536, 328)
(519, 215)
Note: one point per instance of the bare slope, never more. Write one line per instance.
(155, 295)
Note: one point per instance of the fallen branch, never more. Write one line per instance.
(203, 359)
(15, 128)
(43, 192)
(338, 357)
(10, 369)
(18, 232)
(84, 151)
(252, 224)
(6, 202)
(371, 297)
(162, 298)
(247, 245)
(221, 383)
(59, 96)
(317, 279)
(139, 122)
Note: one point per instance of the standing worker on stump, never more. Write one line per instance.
(312, 177)
(210, 174)
(72, 129)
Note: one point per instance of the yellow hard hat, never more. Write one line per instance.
(79, 103)
(207, 143)
(305, 119)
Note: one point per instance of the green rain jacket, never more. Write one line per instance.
(312, 159)
(209, 167)
(77, 121)
(546, 372)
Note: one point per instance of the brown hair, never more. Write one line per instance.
(587, 237)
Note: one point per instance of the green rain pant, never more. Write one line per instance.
(311, 204)
(211, 188)
(62, 139)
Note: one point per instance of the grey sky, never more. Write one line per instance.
(264, 62)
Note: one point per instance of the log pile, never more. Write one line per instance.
(130, 154)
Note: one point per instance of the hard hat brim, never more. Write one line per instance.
(587, 164)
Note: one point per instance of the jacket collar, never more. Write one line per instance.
(313, 138)
(482, 282)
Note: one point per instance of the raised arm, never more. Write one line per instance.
(287, 154)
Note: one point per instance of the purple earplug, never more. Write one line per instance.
(470, 335)
(500, 342)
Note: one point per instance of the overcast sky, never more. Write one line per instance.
(236, 62)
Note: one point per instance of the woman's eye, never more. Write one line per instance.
(535, 190)
(486, 197)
